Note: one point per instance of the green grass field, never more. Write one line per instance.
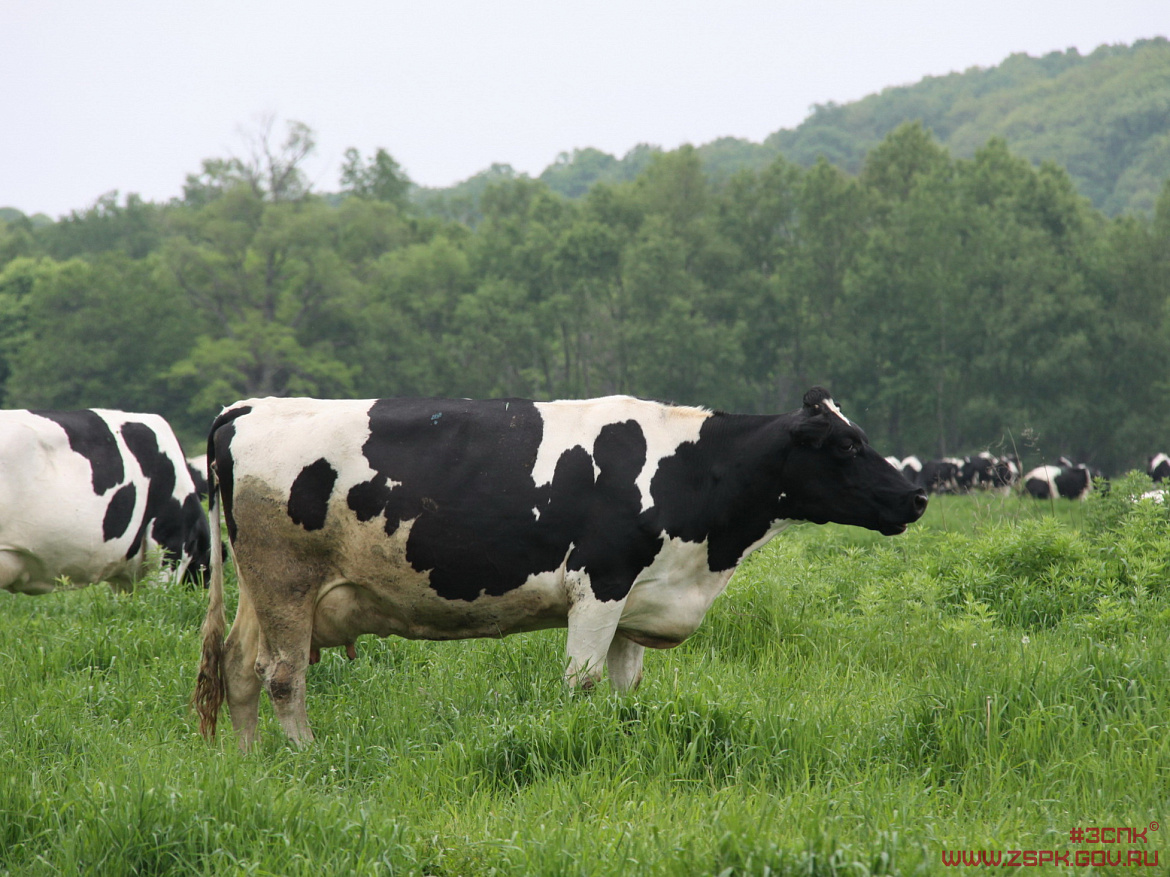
(853, 705)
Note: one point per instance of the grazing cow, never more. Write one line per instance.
(86, 495)
(448, 519)
(985, 471)
(941, 476)
(1159, 467)
(1048, 482)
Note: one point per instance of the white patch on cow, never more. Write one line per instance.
(535, 513)
(671, 596)
(912, 463)
(572, 423)
(832, 406)
(592, 624)
(306, 430)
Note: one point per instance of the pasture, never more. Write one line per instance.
(993, 679)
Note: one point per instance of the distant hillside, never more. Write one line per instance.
(1105, 117)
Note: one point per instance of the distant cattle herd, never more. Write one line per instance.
(986, 471)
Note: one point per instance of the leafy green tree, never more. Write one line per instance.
(134, 228)
(259, 276)
(815, 330)
(573, 174)
(96, 333)
(272, 171)
(380, 178)
(405, 319)
(16, 239)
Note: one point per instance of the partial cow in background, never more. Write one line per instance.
(86, 495)
(941, 476)
(912, 468)
(1073, 481)
(986, 471)
(1159, 467)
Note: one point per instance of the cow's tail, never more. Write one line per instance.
(209, 687)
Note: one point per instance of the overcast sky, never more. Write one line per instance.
(132, 95)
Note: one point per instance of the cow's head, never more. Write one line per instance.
(832, 474)
(196, 540)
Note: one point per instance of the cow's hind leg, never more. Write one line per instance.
(281, 665)
(241, 682)
(624, 660)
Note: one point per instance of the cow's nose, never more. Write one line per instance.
(920, 503)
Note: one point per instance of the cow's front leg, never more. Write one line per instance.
(592, 625)
(625, 663)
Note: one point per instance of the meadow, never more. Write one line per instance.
(991, 680)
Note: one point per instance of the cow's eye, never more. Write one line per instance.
(849, 446)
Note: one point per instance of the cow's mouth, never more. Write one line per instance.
(892, 529)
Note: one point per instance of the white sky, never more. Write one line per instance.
(132, 95)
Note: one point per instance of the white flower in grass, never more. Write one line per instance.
(1024, 640)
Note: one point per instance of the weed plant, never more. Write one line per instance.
(856, 705)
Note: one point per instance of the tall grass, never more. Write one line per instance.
(853, 705)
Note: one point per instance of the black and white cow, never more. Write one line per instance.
(618, 518)
(941, 476)
(86, 495)
(986, 471)
(1073, 481)
(1159, 467)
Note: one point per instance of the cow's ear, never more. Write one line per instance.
(813, 399)
(811, 430)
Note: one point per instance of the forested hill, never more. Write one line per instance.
(1104, 117)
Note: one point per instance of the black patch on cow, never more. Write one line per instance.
(1039, 488)
(464, 473)
(1072, 483)
(616, 541)
(308, 500)
(90, 436)
(163, 512)
(219, 462)
(722, 489)
(119, 512)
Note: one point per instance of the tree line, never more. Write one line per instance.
(950, 304)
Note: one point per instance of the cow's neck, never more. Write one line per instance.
(725, 489)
